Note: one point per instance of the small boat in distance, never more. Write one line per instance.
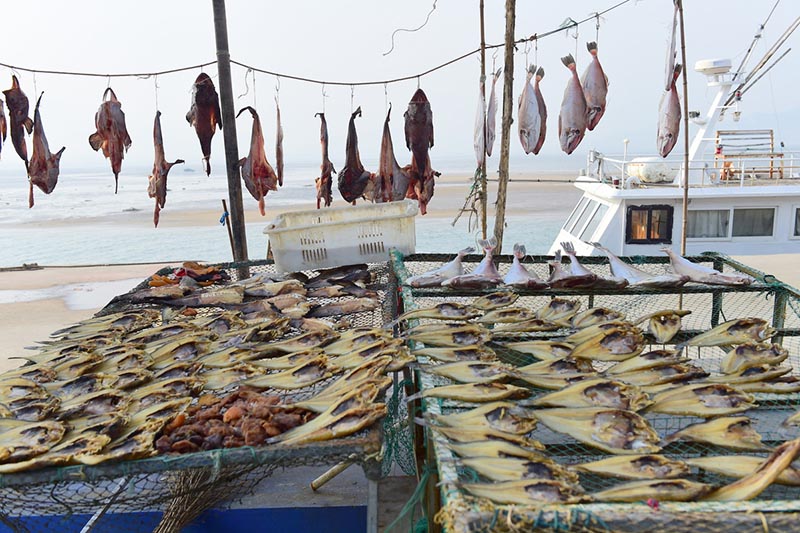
(743, 190)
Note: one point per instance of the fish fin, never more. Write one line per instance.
(248, 108)
(568, 61)
(28, 123)
(207, 161)
(190, 116)
(261, 206)
(592, 47)
(465, 251)
(95, 141)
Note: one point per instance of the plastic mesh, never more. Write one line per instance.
(767, 298)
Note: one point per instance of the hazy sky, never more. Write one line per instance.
(345, 41)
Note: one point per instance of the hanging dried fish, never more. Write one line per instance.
(112, 134)
(157, 187)
(205, 115)
(43, 167)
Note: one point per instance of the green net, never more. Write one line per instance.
(767, 298)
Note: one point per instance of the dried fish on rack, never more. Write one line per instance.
(728, 431)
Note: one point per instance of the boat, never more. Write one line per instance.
(743, 190)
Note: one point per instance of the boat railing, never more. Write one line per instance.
(740, 170)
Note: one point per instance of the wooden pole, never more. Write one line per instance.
(484, 194)
(229, 132)
(508, 108)
(684, 222)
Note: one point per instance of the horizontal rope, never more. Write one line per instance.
(116, 75)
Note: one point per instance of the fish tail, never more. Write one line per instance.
(539, 74)
(568, 61)
(207, 161)
(116, 182)
(592, 47)
(532, 70)
(519, 251)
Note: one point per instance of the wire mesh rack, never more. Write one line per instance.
(777, 508)
(172, 489)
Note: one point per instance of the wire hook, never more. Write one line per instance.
(352, 96)
(155, 86)
(35, 92)
(277, 87)
(324, 96)
(386, 96)
(417, 82)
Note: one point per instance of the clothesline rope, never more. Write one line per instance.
(594, 17)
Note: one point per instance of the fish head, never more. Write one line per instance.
(572, 137)
(666, 142)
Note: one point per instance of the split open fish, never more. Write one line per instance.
(740, 466)
(450, 335)
(637, 277)
(615, 431)
(302, 342)
(395, 180)
(258, 175)
(60, 454)
(525, 326)
(594, 316)
(419, 139)
(661, 374)
(636, 467)
(483, 433)
(736, 331)
(781, 385)
(561, 366)
(18, 117)
(434, 278)
(470, 371)
(559, 310)
(597, 392)
(473, 392)
(510, 469)
(43, 167)
(703, 274)
(546, 350)
(663, 325)
(353, 339)
(112, 134)
(507, 315)
(204, 115)
(616, 344)
(157, 187)
(493, 448)
(451, 355)
(442, 311)
(667, 490)
(754, 484)
(763, 372)
(752, 354)
(495, 300)
(728, 431)
(298, 377)
(28, 440)
(702, 399)
(502, 416)
(648, 360)
(518, 275)
(94, 403)
(526, 492)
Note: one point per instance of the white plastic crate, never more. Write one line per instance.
(329, 237)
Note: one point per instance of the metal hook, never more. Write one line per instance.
(277, 85)
(246, 85)
(386, 96)
(417, 82)
(535, 48)
(324, 96)
(526, 50)
(108, 82)
(35, 92)
(352, 95)
(155, 86)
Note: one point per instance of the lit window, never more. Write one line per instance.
(753, 222)
(649, 224)
(587, 233)
(708, 224)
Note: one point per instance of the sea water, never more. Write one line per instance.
(83, 222)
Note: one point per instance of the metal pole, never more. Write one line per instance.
(685, 221)
(485, 140)
(508, 107)
(229, 132)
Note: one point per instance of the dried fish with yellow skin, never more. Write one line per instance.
(442, 311)
(509, 469)
(290, 360)
(162, 332)
(66, 390)
(133, 445)
(305, 341)
(39, 373)
(222, 378)
(663, 325)
(752, 374)
(612, 430)
(739, 466)
(589, 332)
(133, 377)
(449, 335)
(562, 366)
(502, 416)
(526, 326)
(781, 385)
(738, 331)
(594, 316)
(157, 414)
(60, 454)
(354, 339)
(616, 344)
(546, 350)
(130, 358)
(275, 288)
(636, 467)
(221, 358)
(371, 370)
(401, 357)
(727, 431)
(702, 400)
(665, 490)
(751, 486)
(597, 392)
(479, 434)
(648, 360)
(187, 348)
(111, 424)
(18, 388)
(473, 392)
(30, 410)
(554, 382)
(125, 320)
(77, 365)
(559, 310)
(752, 354)
(451, 355)
(298, 377)
(220, 323)
(659, 375)
(344, 307)
(363, 353)
(93, 403)
(507, 315)
(493, 448)
(215, 297)
(363, 393)
(495, 300)
(526, 492)
(470, 371)
(26, 441)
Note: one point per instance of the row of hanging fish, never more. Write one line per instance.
(391, 182)
(485, 274)
(496, 439)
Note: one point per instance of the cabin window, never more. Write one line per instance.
(648, 224)
(797, 222)
(575, 213)
(591, 207)
(753, 222)
(587, 233)
(708, 224)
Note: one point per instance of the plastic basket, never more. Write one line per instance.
(322, 238)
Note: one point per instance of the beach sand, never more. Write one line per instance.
(35, 303)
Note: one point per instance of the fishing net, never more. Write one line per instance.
(767, 298)
(165, 493)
